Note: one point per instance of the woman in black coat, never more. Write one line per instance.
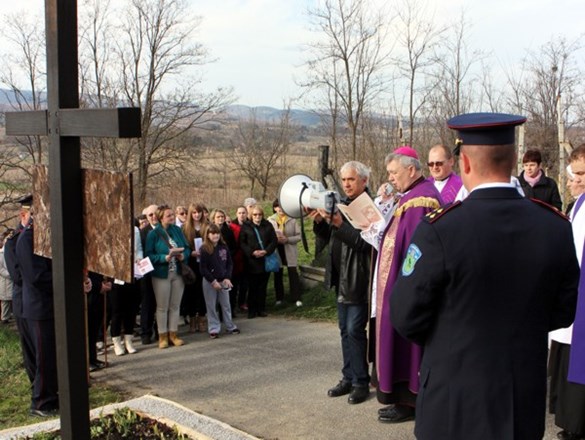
(257, 239)
(535, 184)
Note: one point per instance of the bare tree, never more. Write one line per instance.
(153, 65)
(456, 89)
(22, 72)
(418, 36)
(260, 148)
(347, 63)
(546, 75)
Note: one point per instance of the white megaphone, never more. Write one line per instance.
(300, 191)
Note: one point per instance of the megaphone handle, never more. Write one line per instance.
(303, 235)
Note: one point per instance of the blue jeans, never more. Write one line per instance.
(352, 325)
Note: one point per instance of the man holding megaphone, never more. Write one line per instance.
(348, 271)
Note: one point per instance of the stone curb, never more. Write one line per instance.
(195, 425)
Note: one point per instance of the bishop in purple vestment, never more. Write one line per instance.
(398, 360)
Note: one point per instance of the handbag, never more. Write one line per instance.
(187, 273)
(272, 261)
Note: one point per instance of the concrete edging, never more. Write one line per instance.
(188, 422)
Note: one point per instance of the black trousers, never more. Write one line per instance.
(147, 306)
(95, 317)
(27, 347)
(293, 281)
(45, 385)
(240, 289)
(124, 299)
(258, 283)
(193, 302)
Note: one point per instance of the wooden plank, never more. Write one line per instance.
(29, 123)
(102, 122)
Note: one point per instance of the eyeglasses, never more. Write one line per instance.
(439, 163)
(256, 215)
(182, 213)
(151, 214)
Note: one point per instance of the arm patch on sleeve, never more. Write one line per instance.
(413, 254)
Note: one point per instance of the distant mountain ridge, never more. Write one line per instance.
(271, 114)
(235, 111)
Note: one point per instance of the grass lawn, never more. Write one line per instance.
(15, 402)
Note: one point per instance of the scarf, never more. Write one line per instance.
(533, 180)
(280, 221)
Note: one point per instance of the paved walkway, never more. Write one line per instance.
(270, 381)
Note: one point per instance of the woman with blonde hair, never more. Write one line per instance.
(257, 239)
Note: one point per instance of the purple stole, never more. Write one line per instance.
(451, 188)
(577, 358)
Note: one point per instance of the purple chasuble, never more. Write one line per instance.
(397, 359)
(577, 359)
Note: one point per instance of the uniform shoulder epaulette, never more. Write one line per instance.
(435, 215)
(550, 208)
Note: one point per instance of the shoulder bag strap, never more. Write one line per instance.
(258, 235)
(166, 240)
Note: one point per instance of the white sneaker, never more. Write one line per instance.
(299, 304)
(99, 345)
(278, 303)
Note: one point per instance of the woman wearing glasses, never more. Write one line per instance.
(257, 239)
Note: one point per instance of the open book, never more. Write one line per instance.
(362, 212)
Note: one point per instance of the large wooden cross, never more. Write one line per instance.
(64, 123)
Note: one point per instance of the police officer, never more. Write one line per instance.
(37, 311)
(483, 283)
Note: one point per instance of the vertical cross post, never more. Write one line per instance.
(64, 123)
(66, 218)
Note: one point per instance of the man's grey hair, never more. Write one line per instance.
(362, 170)
(403, 160)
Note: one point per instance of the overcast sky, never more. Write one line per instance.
(258, 42)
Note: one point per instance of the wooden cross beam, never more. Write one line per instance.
(64, 123)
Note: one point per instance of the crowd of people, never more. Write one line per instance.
(225, 258)
(445, 301)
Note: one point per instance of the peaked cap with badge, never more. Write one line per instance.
(485, 129)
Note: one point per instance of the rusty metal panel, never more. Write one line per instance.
(107, 221)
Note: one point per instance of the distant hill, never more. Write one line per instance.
(6, 96)
(262, 113)
(236, 111)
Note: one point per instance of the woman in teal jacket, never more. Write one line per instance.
(166, 247)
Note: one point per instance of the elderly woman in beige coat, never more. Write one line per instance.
(288, 233)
